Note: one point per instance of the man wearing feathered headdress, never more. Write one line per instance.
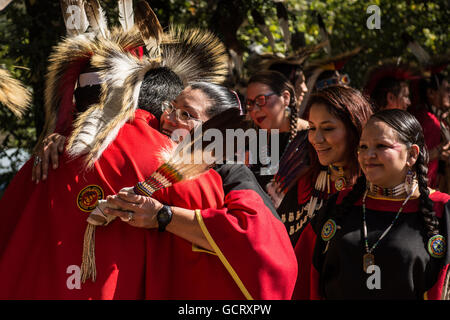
(41, 241)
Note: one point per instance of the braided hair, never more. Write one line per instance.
(409, 132)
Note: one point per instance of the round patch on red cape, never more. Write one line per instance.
(88, 197)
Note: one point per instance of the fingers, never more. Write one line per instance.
(36, 171)
(141, 210)
(44, 163)
(130, 197)
(124, 215)
(52, 146)
(56, 146)
(61, 141)
(122, 204)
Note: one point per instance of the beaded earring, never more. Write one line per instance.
(409, 181)
(287, 112)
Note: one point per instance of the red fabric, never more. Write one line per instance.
(67, 87)
(306, 287)
(255, 243)
(174, 270)
(42, 229)
(439, 200)
(432, 133)
(42, 237)
(263, 259)
(435, 293)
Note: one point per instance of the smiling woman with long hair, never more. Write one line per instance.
(390, 225)
(336, 117)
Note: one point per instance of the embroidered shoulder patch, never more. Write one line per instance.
(88, 197)
(328, 230)
(437, 246)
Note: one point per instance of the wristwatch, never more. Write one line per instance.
(164, 216)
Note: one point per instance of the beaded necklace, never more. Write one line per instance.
(388, 192)
(368, 257)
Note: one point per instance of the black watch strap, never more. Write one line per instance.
(164, 216)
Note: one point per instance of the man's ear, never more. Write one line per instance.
(391, 100)
(413, 155)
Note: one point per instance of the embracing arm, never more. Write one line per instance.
(184, 223)
(52, 147)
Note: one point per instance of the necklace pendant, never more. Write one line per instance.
(368, 260)
(340, 183)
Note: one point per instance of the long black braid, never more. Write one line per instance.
(426, 205)
(293, 119)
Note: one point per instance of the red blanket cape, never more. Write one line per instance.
(253, 257)
(43, 226)
(42, 229)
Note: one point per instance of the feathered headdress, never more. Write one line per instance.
(13, 94)
(87, 29)
(192, 54)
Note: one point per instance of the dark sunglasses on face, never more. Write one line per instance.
(259, 101)
(180, 114)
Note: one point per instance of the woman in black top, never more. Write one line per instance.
(387, 237)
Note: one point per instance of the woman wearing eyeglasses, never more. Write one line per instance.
(223, 229)
(189, 109)
(387, 238)
(272, 104)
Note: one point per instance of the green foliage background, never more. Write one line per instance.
(29, 29)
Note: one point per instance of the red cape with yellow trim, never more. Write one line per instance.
(252, 258)
(42, 226)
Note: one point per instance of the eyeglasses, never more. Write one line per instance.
(259, 101)
(181, 115)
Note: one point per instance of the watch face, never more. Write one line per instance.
(164, 217)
